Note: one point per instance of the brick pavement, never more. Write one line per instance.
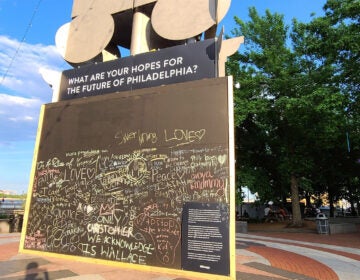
(351, 240)
(258, 258)
(295, 263)
(338, 248)
(342, 240)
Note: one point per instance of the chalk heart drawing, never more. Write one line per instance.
(222, 159)
(200, 133)
(91, 172)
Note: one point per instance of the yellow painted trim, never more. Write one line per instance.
(143, 268)
(146, 268)
(32, 178)
(232, 227)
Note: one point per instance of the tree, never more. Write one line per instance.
(331, 43)
(289, 112)
(265, 107)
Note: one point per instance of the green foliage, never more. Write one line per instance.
(16, 196)
(297, 110)
(4, 216)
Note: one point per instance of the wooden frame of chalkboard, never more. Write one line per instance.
(111, 174)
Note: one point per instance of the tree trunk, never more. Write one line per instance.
(352, 206)
(295, 203)
(308, 200)
(331, 202)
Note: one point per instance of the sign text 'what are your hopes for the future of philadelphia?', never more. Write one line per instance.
(167, 66)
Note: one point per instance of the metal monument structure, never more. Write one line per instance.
(134, 159)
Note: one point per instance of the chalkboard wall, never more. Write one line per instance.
(113, 172)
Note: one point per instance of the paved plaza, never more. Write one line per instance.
(263, 253)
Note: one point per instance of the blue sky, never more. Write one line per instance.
(27, 44)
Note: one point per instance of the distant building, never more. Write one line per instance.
(6, 192)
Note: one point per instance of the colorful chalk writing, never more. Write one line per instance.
(112, 173)
(124, 207)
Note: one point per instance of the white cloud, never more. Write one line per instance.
(22, 88)
(9, 100)
(22, 118)
(20, 64)
(18, 117)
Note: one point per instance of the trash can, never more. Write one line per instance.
(322, 223)
(241, 227)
